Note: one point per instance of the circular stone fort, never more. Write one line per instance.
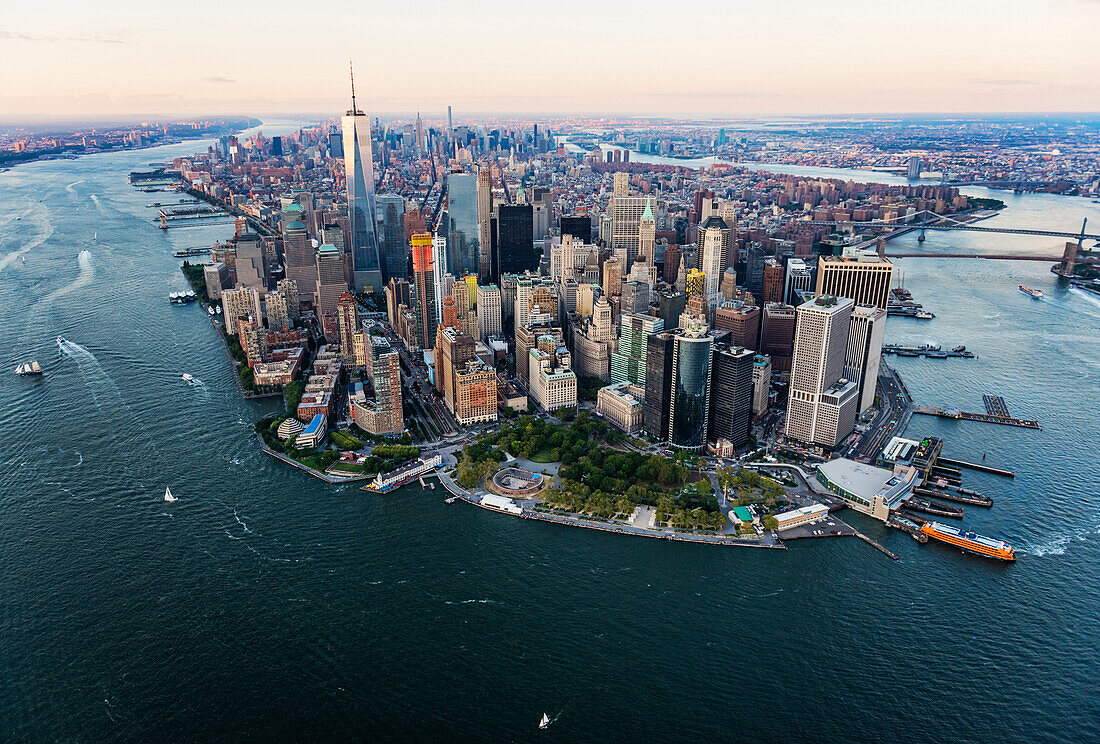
(517, 482)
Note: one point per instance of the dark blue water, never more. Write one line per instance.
(267, 606)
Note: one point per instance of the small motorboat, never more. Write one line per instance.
(188, 377)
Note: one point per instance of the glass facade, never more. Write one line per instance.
(359, 171)
(690, 391)
(391, 234)
(462, 229)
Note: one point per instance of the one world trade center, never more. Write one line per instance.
(359, 173)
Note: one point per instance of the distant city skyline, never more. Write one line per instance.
(124, 58)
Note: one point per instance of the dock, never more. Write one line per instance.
(962, 498)
(978, 467)
(876, 546)
(984, 418)
(995, 406)
(929, 352)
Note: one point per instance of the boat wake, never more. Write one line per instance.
(87, 273)
(471, 601)
(44, 233)
(1090, 297)
(1057, 545)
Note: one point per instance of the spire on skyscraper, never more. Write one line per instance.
(354, 110)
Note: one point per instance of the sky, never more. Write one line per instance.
(64, 59)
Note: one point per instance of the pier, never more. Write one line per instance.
(995, 406)
(980, 468)
(929, 352)
(983, 418)
(876, 546)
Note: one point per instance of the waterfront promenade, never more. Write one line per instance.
(529, 512)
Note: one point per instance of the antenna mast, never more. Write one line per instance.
(351, 70)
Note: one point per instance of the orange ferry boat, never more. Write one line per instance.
(969, 541)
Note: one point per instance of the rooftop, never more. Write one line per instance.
(855, 477)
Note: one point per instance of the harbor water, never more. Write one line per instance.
(265, 605)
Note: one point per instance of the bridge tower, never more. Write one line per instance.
(1081, 238)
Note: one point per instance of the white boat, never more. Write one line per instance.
(168, 495)
(1036, 293)
(210, 310)
(545, 721)
(187, 377)
(61, 341)
(924, 315)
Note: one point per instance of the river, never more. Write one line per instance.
(267, 606)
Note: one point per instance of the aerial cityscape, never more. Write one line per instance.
(338, 418)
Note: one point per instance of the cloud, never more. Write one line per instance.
(1000, 81)
(91, 38)
(218, 79)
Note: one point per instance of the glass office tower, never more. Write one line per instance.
(462, 227)
(690, 389)
(391, 236)
(359, 171)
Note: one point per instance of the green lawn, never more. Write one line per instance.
(542, 456)
(347, 467)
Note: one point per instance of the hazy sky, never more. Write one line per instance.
(732, 58)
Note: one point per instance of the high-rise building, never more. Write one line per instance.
(347, 318)
(731, 398)
(798, 278)
(774, 274)
(424, 278)
(330, 283)
(243, 302)
(577, 226)
(488, 311)
(742, 321)
(628, 362)
(670, 306)
(452, 350)
(252, 269)
(912, 170)
(216, 277)
(625, 215)
(635, 297)
(690, 388)
(553, 384)
(658, 384)
(484, 215)
(359, 174)
(761, 384)
(612, 277)
(527, 337)
(822, 404)
(398, 292)
(301, 266)
(515, 243)
(534, 291)
(713, 238)
(864, 351)
(863, 276)
(383, 413)
(673, 257)
(647, 235)
(475, 393)
(463, 250)
(278, 315)
(390, 221)
(777, 335)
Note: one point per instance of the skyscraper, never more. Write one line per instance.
(484, 215)
(425, 285)
(713, 235)
(331, 283)
(864, 351)
(515, 244)
(777, 335)
(731, 395)
(488, 310)
(821, 407)
(347, 317)
(629, 360)
(864, 276)
(463, 255)
(690, 382)
(359, 173)
(647, 234)
(579, 226)
(391, 236)
(301, 266)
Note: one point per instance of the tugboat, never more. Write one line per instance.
(924, 315)
(1035, 293)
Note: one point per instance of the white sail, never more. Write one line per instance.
(168, 495)
(35, 367)
(545, 721)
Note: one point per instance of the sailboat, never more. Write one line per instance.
(168, 495)
(545, 721)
